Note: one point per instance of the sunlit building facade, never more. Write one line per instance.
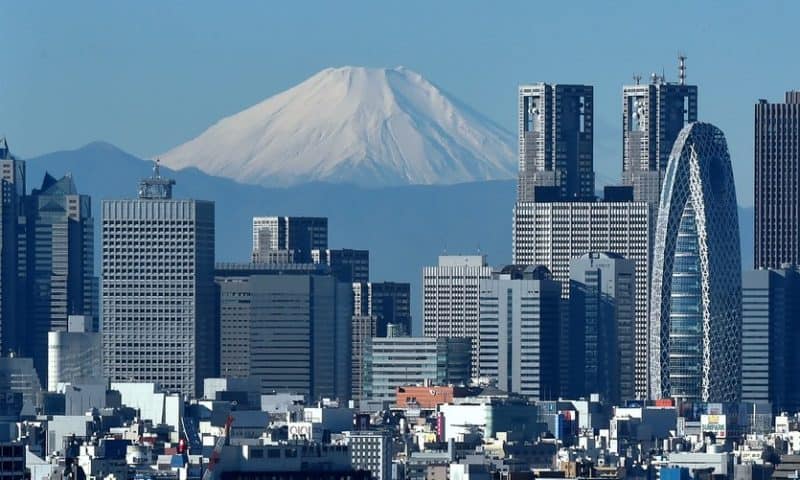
(695, 309)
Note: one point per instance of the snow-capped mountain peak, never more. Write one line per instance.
(368, 126)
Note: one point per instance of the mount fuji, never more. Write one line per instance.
(366, 126)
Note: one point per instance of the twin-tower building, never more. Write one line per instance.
(675, 217)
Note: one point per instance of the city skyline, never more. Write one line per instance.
(367, 275)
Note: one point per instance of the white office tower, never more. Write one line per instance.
(158, 289)
(553, 233)
(75, 354)
(450, 298)
(518, 336)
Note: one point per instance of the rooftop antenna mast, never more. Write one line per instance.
(637, 78)
(682, 68)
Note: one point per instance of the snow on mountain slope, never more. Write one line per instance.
(368, 126)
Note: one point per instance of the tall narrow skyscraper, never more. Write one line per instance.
(159, 296)
(556, 135)
(60, 262)
(602, 318)
(777, 182)
(695, 304)
(518, 334)
(12, 182)
(652, 116)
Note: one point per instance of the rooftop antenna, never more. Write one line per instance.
(637, 78)
(682, 68)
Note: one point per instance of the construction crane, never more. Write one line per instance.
(221, 442)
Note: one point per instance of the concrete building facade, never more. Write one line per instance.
(777, 182)
(518, 331)
(286, 326)
(553, 233)
(75, 354)
(556, 135)
(392, 362)
(299, 235)
(652, 116)
(450, 301)
(159, 322)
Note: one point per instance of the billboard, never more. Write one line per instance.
(304, 431)
(716, 424)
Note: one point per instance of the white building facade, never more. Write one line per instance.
(450, 304)
(553, 233)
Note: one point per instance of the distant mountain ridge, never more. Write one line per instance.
(371, 127)
(405, 228)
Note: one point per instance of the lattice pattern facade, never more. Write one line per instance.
(697, 257)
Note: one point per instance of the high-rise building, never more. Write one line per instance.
(556, 135)
(377, 309)
(287, 326)
(518, 334)
(299, 235)
(392, 362)
(363, 330)
(159, 301)
(695, 303)
(770, 335)
(652, 116)
(388, 302)
(552, 234)
(347, 265)
(74, 354)
(12, 257)
(777, 182)
(450, 298)
(60, 262)
(602, 329)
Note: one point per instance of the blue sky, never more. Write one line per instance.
(149, 75)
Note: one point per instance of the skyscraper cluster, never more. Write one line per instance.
(46, 261)
(636, 295)
(649, 277)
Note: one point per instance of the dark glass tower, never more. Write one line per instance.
(556, 135)
(777, 182)
(12, 182)
(60, 262)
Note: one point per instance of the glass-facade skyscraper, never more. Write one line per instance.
(12, 183)
(60, 263)
(695, 303)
